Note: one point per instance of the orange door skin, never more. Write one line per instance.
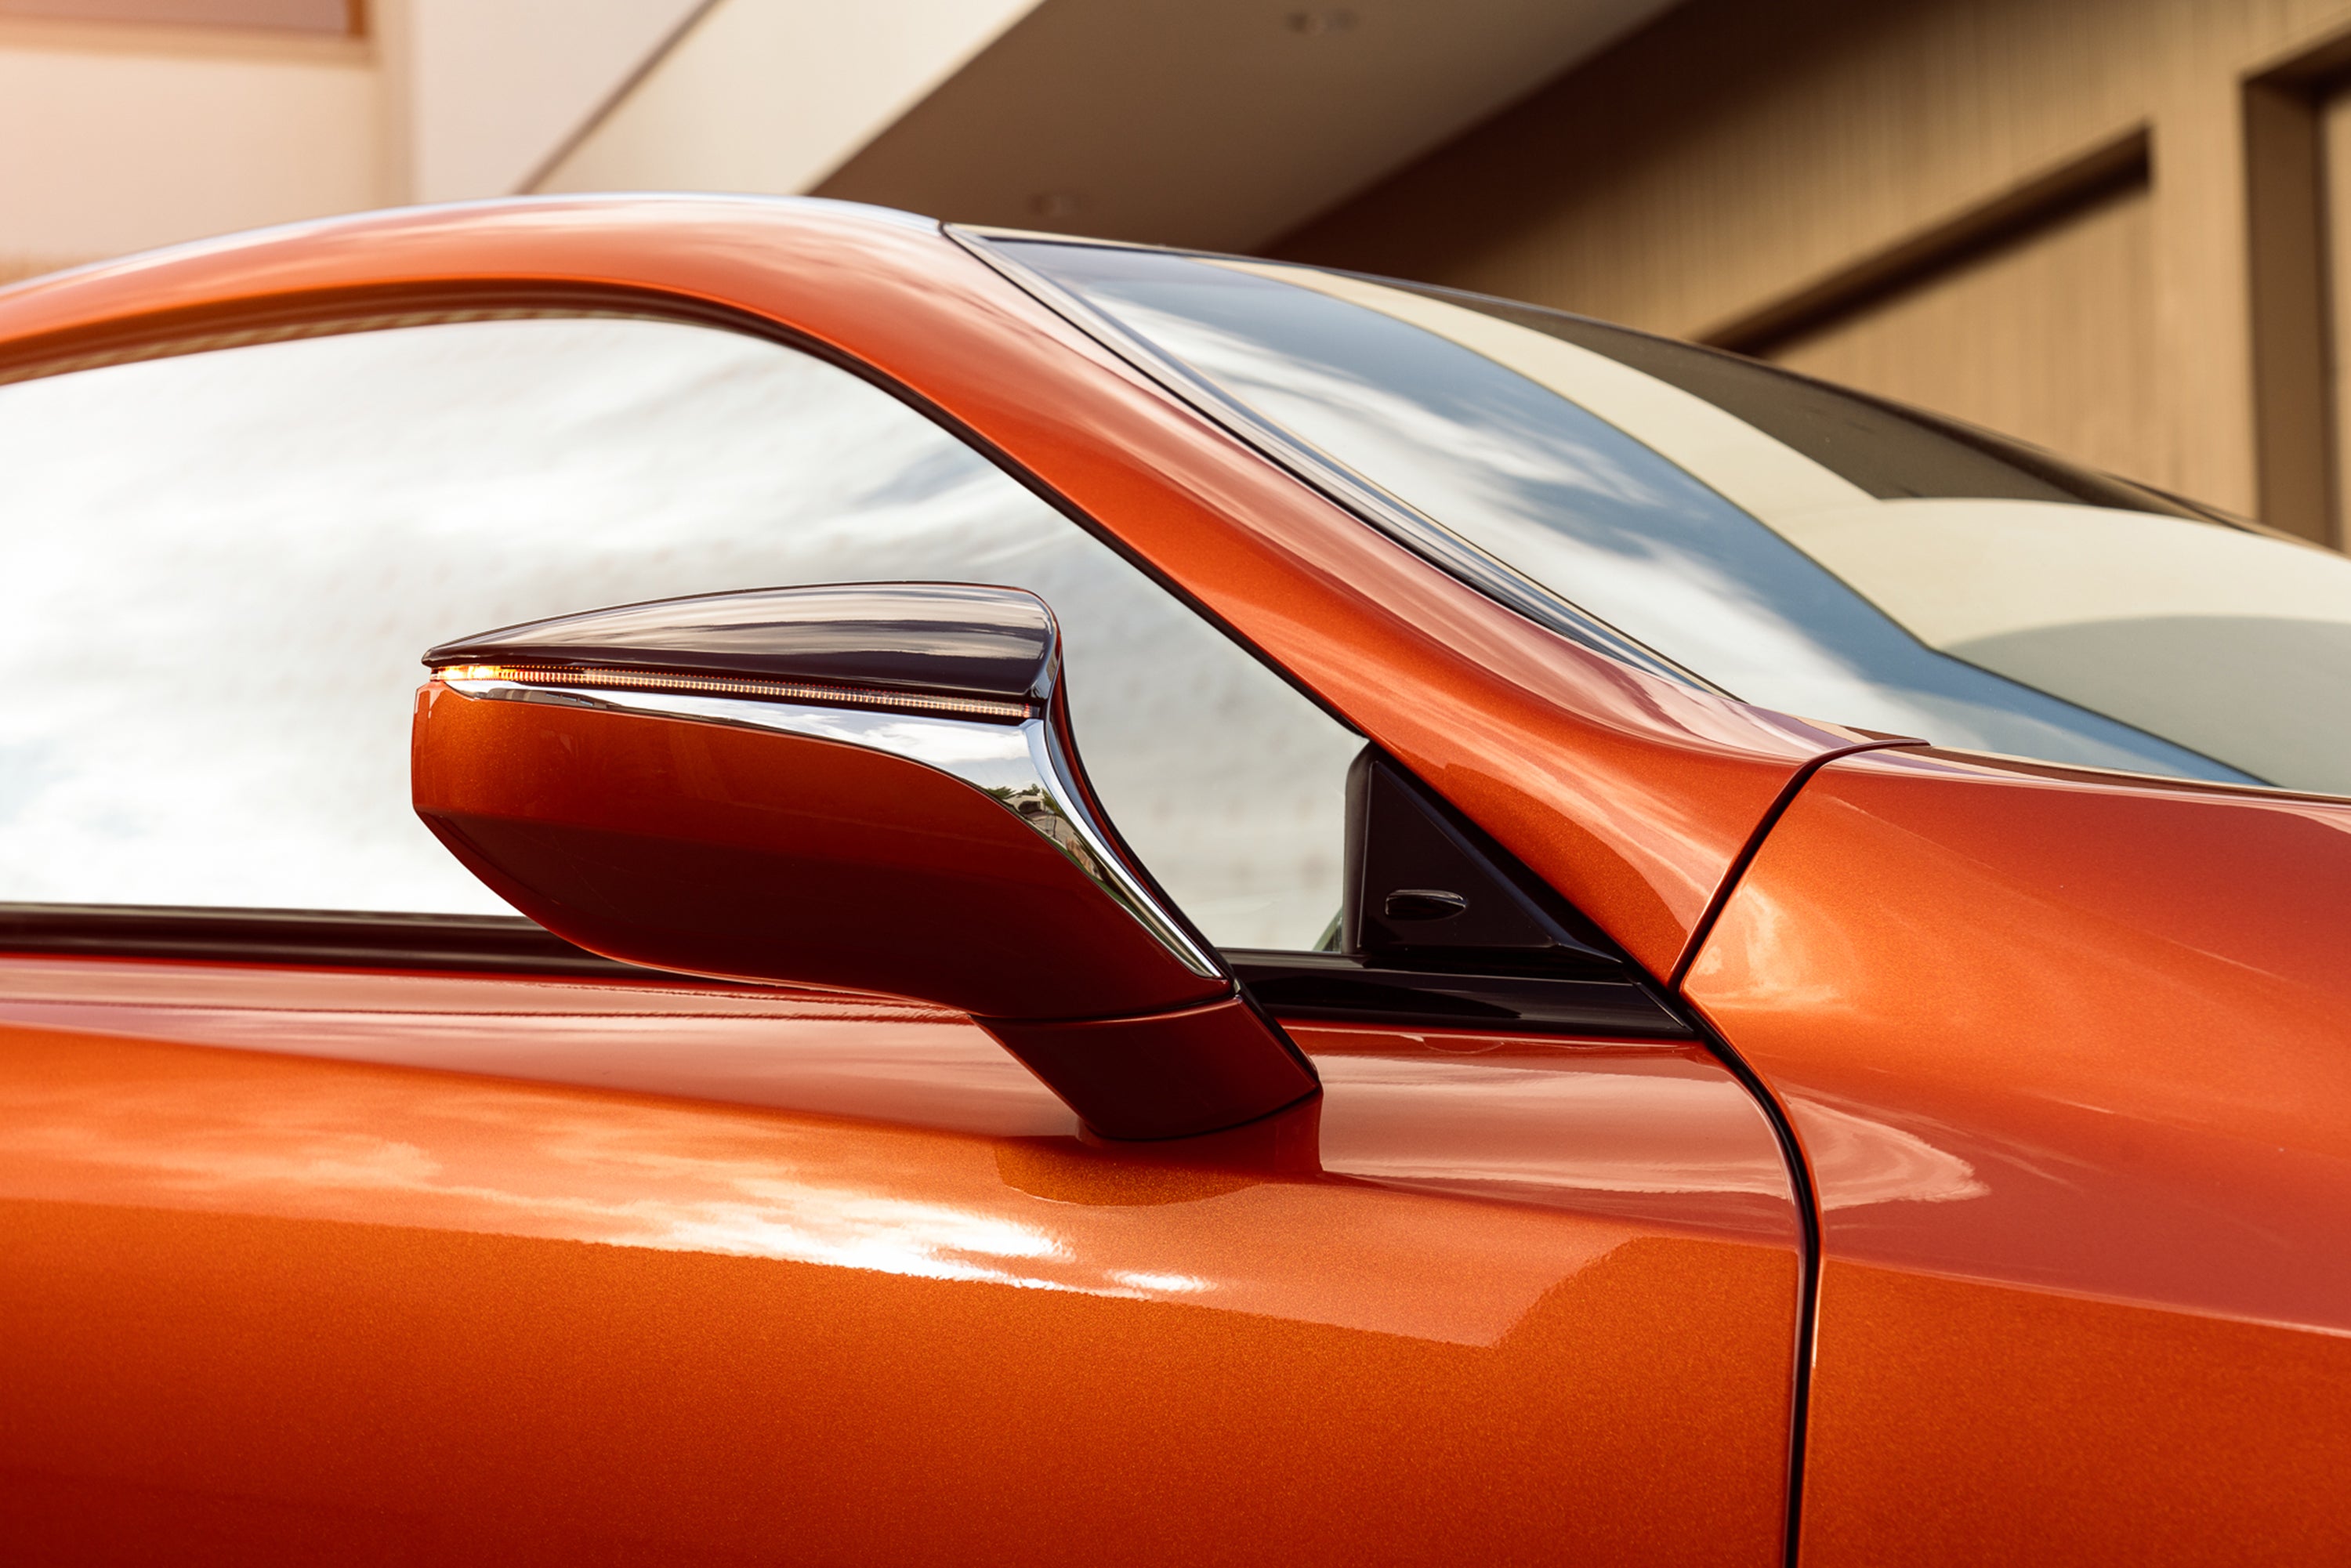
(2069, 1056)
(1507, 1300)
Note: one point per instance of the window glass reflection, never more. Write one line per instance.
(217, 572)
(1571, 500)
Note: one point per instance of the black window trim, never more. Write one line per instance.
(1325, 986)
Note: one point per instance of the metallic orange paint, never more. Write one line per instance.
(521, 1269)
(1631, 795)
(1510, 1299)
(664, 841)
(2068, 1054)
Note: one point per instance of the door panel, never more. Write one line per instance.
(1512, 1297)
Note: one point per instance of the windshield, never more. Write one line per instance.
(1794, 545)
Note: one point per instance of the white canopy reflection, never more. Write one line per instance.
(217, 572)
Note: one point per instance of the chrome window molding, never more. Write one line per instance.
(1397, 520)
(1021, 766)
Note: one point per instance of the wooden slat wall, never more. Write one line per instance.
(2335, 120)
(2050, 336)
(1735, 159)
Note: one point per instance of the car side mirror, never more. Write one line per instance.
(866, 787)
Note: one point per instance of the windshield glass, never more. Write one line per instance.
(1797, 547)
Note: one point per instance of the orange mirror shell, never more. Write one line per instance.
(865, 787)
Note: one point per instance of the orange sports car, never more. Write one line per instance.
(1178, 911)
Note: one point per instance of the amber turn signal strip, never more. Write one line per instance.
(870, 697)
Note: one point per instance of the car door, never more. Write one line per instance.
(400, 1230)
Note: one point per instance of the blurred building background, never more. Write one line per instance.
(2121, 228)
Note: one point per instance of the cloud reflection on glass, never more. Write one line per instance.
(1572, 501)
(217, 572)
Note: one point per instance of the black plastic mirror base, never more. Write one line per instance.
(1173, 1075)
(1424, 885)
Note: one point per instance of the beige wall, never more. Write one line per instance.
(485, 94)
(772, 95)
(2035, 214)
(122, 138)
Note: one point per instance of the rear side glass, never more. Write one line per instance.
(217, 571)
(1887, 450)
(1478, 451)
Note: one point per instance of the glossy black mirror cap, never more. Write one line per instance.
(960, 639)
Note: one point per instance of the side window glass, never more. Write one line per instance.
(217, 571)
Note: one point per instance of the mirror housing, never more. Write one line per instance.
(870, 787)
